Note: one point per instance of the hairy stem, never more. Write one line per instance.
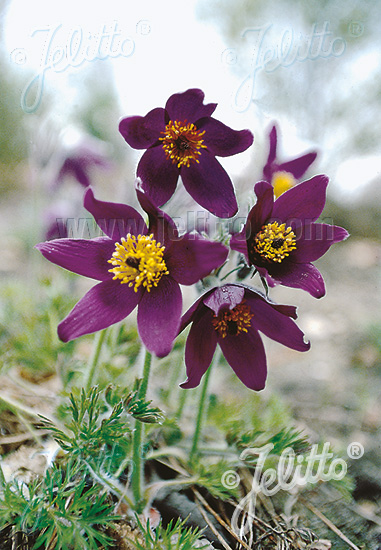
(93, 362)
(201, 406)
(137, 455)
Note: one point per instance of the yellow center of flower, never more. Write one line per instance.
(138, 261)
(233, 321)
(275, 242)
(282, 181)
(182, 142)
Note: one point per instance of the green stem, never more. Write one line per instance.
(201, 407)
(93, 362)
(137, 455)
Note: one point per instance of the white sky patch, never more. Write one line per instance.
(354, 173)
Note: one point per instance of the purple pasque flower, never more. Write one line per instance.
(79, 161)
(183, 140)
(281, 239)
(231, 316)
(284, 175)
(136, 266)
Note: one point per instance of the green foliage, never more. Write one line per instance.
(174, 537)
(64, 507)
(211, 476)
(97, 428)
(28, 328)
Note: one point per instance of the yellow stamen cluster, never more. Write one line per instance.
(275, 241)
(182, 142)
(138, 261)
(233, 321)
(282, 181)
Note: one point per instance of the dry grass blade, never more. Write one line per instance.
(329, 523)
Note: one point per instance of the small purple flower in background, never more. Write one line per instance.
(231, 317)
(79, 161)
(281, 239)
(135, 269)
(56, 220)
(284, 175)
(183, 140)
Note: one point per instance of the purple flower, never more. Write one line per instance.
(231, 316)
(284, 175)
(281, 239)
(183, 139)
(79, 161)
(136, 266)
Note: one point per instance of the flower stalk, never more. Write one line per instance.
(94, 359)
(201, 408)
(137, 454)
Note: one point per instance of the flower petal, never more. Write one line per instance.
(193, 311)
(274, 323)
(262, 209)
(315, 240)
(222, 140)
(238, 242)
(192, 258)
(210, 186)
(160, 224)
(299, 166)
(103, 305)
(141, 132)
(273, 144)
(158, 175)
(188, 106)
(159, 316)
(303, 202)
(304, 276)
(246, 356)
(87, 257)
(200, 347)
(226, 296)
(116, 220)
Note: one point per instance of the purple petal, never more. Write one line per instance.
(304, 276)
(77, 169)
(299, 166)
(192, 258)
(142, 132)
(160, 224)
(274, 324)
(273, 144)
(238, 242)
(116, 220)
(200, 347)
(303, 202)
(222, 140)
(246, 356)
(315, 240)
(105, 304)
(83, 256)
(188, 106)
(210, 186)
(262, 209)
(159, 316)
(158, 175)
(227, 296)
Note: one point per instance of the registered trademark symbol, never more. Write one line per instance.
(355, 450)
(355, 28)
(143, 27)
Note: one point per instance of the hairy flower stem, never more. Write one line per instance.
(201, 407)
(93, 362)
(137, 455)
